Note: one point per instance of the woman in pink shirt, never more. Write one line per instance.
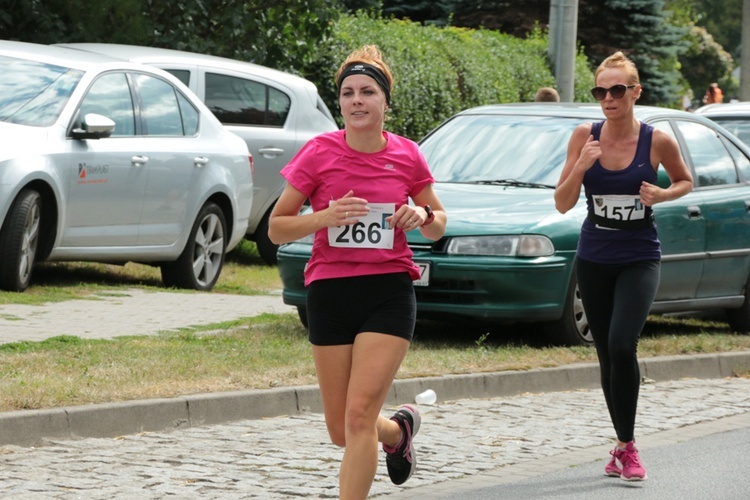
(360, 301)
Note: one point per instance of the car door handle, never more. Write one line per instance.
(200, 161)
(271, 152)
(139, 160)
(693, 212)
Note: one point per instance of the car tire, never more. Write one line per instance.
(266, 248)
(19, 239)
(201, 261)
(302, 313)
(573, 327)
(739, 319)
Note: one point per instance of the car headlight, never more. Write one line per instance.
(502, 245)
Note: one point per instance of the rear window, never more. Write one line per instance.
(239, 101)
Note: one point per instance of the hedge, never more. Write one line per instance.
(440, 71)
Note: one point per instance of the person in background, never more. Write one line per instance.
(618, 258)
(360, 302)
(547, 94)
(713, 95)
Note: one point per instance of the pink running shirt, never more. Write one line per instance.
(326, 168)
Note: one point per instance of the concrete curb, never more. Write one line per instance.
(33, 427)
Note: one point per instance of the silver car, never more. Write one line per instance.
(733, 116)
(111, 161)
(275, 112)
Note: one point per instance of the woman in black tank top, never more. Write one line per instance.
(618, 261)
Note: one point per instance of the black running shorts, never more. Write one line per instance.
(340, 308)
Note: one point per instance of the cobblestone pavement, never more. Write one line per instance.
(291, 457)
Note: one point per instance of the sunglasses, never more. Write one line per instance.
(616, 91)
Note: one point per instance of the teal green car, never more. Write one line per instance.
(508, 255)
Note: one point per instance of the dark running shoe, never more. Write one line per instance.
(402, 459)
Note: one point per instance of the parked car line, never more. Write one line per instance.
(508, 255)
(111, 161)
(275, 112)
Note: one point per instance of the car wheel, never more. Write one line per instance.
(573, 327)
(302, 313)
(19, 238)
(266, 248)
(739, 319)
(199, 265)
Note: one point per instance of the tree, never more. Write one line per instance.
(282, 34)
(641, 29)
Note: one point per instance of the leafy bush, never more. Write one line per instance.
(440, 71)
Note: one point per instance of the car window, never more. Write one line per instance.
(182, 74)
(160, 111)
(239, 101)
(712, 162)
(742, 161)
(189, 114)
(278, 107)
(476, 148)
(740, 127)
(109, 95)
(34, 93)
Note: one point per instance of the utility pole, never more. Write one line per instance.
(745, 53)
(563, 34)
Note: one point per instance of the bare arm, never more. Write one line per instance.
(286, 224)
(665, 151)
(583, 151)
(436, 229)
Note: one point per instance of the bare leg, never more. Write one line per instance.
(354, 382)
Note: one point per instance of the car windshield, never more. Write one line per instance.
(34, 93)
(513, 150)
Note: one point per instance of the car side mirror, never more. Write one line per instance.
(94, 126)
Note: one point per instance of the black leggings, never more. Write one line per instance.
(617, 299)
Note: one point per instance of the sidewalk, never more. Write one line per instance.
(132, 312)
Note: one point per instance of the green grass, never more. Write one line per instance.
(273, 351)
(268, 350)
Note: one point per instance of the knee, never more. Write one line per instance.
(623, 352)
(358, 421)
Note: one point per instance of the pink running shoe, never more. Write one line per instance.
(611, 469)
(632, 470)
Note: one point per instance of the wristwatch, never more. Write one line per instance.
(430, 215)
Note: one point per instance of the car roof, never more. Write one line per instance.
(154, 55)
(54, 54)
(729, 109)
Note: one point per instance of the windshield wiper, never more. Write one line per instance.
(515, 183)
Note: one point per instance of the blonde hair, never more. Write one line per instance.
(619, 60)
(368, 54)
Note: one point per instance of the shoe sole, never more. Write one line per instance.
(634, 479)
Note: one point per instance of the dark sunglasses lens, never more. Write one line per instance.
(617, 91)
(599, 93)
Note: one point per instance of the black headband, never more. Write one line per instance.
(373, 72)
